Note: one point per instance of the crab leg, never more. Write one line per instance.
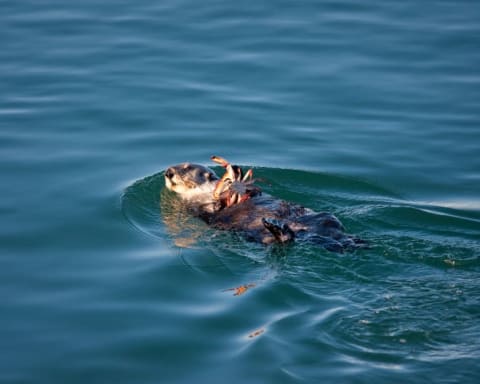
(234, 170)
(221, 185)
(232, 199)
(248, 175)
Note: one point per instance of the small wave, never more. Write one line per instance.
(462, 204)
(365, 208)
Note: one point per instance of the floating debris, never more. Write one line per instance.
(256, 333)
(450, 262)
(241, 289)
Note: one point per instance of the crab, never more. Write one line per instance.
(234, 187)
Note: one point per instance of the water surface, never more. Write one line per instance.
(370, 111)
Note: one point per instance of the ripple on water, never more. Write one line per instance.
(404, 302)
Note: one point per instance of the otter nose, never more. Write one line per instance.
(169, 173)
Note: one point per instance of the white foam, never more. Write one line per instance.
(473, 205)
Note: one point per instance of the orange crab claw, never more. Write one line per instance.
(220, 160)
(234, 170)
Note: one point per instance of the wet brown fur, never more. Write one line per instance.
(253, 216)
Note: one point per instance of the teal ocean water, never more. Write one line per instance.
(369, 110)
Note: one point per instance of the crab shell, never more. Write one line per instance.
(232, 188)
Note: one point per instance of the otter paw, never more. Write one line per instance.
(281, 231)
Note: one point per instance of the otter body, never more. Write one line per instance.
(261, 218)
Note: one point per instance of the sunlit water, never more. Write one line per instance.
(369, 111)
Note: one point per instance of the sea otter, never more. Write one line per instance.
(259, 217)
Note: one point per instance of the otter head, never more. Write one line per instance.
(191, 180)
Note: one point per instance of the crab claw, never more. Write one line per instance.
(220, 160)
(222, 185)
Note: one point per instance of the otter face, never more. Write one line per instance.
(190, 180)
